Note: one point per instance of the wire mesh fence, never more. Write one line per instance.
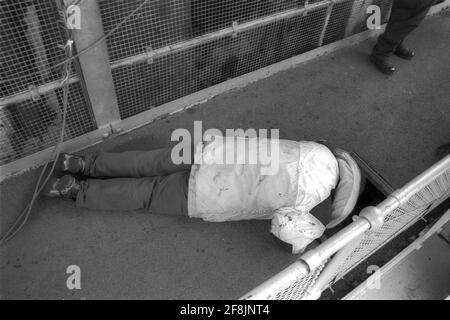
(30, 126)
(196, 54)
(302, 288)
(164, 51)
(31, 36)
(142, 86)
(161, 23)
(396, 221)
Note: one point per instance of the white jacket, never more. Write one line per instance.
(305, 175)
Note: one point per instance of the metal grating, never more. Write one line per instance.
(161, 23)
(142, 86)
(30, 35)
(398, 220)
(301, 288)
(190, 63)
(31, 126)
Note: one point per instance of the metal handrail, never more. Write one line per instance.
(370, 218)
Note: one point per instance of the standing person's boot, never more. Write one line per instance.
(404, 52)
(406, 16)
(382, 62)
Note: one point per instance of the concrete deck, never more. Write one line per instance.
(395, 123)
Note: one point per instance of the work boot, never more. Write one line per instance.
(66, 186)
(382, 63)
(403, 52)
(70, 163)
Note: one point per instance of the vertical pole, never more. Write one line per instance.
(95, 64)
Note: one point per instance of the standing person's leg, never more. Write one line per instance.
(406, 15)
(161, 195)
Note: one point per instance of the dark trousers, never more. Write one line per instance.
(149, 180)
(406, 15)
(135, 180)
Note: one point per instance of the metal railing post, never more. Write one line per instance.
(95, 64)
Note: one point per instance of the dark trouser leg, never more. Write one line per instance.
(406, 15)
(160, 195)
(134, 164)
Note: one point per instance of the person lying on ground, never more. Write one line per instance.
(307, 174)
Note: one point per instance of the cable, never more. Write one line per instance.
(94, 44)
(14, 229)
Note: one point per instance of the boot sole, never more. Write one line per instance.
(53, 186)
